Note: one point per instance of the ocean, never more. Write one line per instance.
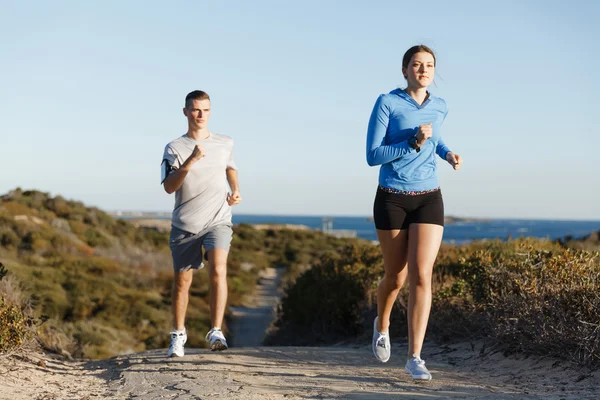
(460, 232)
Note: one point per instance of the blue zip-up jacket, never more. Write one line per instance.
(395, 119)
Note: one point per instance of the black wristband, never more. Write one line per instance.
(412, 142)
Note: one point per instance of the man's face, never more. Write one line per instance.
(197, 113)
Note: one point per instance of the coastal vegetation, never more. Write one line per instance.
(524, 296)
(87, 285)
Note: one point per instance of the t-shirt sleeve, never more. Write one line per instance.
(169, 164)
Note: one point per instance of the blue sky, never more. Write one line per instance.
(92, 92)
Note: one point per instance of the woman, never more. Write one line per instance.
(404, 137)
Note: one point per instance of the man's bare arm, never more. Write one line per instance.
(175, 179)
(232, 179)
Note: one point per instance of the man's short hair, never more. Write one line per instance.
(195, 95)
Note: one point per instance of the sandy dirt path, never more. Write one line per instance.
(248, 325)
(293, 373)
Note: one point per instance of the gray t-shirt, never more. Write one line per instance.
(201, 201)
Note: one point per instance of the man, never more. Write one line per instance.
(199, 167)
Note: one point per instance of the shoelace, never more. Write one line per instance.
(381, 341)
(418, 361)
(213, 330)
(178, 339)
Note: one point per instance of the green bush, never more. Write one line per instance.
(13, 325)
(529, 296)
(327, 302)
(78, 265)
(539, 301)
(95, 239)
(8, 238)
(13, 321)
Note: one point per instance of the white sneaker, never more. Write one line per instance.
(178, 339)
(382, 348)
(216, 339)
(416, 368)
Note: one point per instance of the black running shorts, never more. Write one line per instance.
(398, 211)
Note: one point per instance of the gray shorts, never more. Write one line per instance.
(186, 247)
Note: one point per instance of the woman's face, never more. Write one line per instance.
(420, 70)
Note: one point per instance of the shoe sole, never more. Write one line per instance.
(383, 360)
(218, 346)
(426, 378)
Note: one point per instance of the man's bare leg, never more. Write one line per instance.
(180, 297)
(217, 271)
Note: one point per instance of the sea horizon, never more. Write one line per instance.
(167, 214)
(457, 229)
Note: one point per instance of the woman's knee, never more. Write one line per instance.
(420, 280)
(394, 281)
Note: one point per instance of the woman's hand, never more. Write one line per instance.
(425, 131)
(454, 159)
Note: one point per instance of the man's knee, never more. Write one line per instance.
(217, 260)
(183, 281)
(219, 270)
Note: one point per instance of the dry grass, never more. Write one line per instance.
(103, 286)
(529, 296)
(15, 323)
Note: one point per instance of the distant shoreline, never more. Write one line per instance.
(458, 230)
(142, 215)
(448, 218)
(164, 225)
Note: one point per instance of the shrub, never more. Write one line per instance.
(80, 265)
(13, 325)
(328, 301)
(13, 321)
(530, 296)
(8, 238)
(539, 301)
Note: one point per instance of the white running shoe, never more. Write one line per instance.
(382, 348)
(216, 339)
(178, 339)
(416, 368)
